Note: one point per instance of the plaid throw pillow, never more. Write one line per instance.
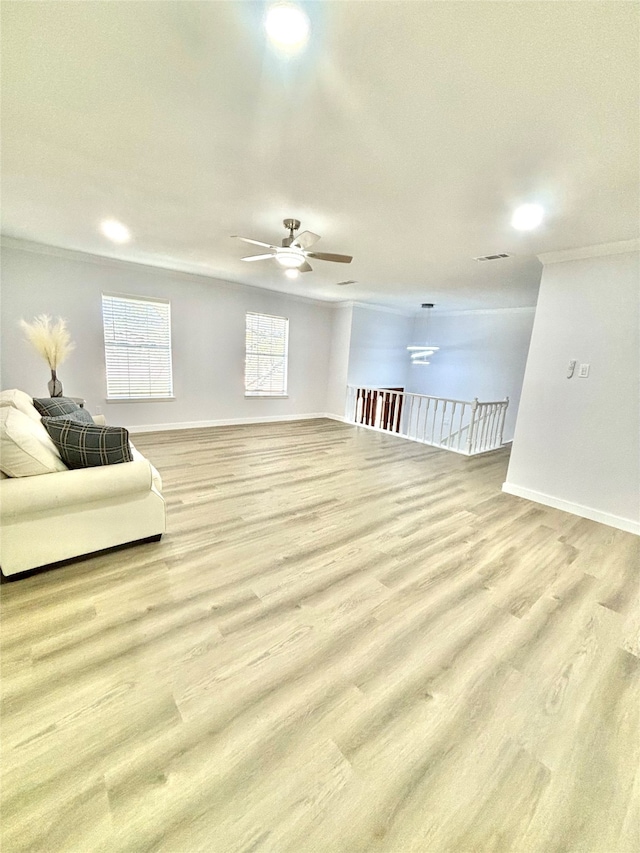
(81, 416)
(84, 446)
(51, 407)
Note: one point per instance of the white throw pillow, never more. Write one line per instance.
(25, 447)
(20, 401)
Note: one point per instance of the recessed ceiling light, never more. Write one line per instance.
(291, 273)
(527, 216)
(287, 26)
(116, 231)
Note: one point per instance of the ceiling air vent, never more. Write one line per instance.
(493, 257)
(349, 281)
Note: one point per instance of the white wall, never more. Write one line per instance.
(208, 331)
(339, 359)
(577, 441)
(483, 354)
(378, 354)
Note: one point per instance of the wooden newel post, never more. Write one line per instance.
(472, 426)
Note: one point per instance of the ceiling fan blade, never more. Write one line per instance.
(327, 256)
(305, 267)
(255, 242)
(306, 239)
(257, 257)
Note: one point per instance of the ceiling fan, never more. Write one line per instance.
(294, 251)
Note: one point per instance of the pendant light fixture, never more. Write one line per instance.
(421, 353)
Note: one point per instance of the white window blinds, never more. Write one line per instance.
(267, 340)
(137, 345)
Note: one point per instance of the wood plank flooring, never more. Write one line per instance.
(345, 642)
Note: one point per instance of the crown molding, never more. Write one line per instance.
(109, 262)
(460, 312)
(619, 248)
(372, 306)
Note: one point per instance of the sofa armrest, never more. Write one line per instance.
(20, 495)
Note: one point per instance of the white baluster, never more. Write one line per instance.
(434, 415)
(451, 425)
(472, 426)
(463, 409)
(426, 421)
(496, 428)
(483, 430)
(496, 423)
(444, 411)
(490, 415)
(502, 420)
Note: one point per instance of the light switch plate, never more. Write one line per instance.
(583, 371)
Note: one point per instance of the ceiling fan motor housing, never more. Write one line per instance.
(291, 225)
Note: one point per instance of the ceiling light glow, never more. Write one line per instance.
(527, 216)
(287, 26)
(291, 273)
(289, 258)
(115, 231)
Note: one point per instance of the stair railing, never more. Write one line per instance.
(468, 427)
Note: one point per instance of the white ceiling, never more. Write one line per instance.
(405, 134)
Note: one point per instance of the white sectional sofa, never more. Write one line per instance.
(50, 513)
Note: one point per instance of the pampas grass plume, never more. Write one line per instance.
(50, 340)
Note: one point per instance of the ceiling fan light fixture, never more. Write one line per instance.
(291, 272)
(289, 258)
(294, 251)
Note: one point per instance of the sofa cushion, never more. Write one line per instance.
(26, 449)
(20, 401)
(51, 407)
(85, 446)
(81, 416)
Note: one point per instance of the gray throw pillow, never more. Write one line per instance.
(51, 407)
(81, 416)
(84, 446)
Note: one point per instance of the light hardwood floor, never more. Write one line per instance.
(345, 642)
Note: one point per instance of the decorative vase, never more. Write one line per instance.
(54, 385)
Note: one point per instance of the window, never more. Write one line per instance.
(137, 346)
(267, 341)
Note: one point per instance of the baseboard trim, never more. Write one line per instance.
(608, 518)
(269, 419)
